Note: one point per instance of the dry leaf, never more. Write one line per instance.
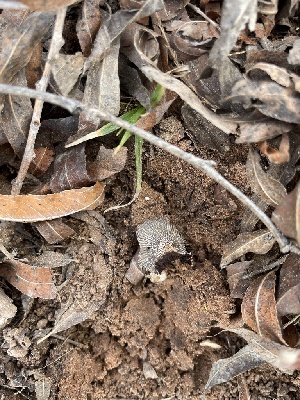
(32, 281)
(42, 161)
(288, 300)
(88, 25)
(269, 189)
(204, 133)
(234, 17)
(269, 98)
(16, 116)
(115, 25)
(66, 69)
(280, 156)
(259, 242)
(253, 132)
(131, 83)
(249, 218)
(54, 231)
(33, 208)
(7, 309)
(236, 278)
(18, 43)
(286, 215)
(102, 89)
(259, 308)
(71, 171)
(188, 96)
(47, 5)
(294, 55)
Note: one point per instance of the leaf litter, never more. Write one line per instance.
(231, 75)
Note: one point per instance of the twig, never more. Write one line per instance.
(206, 166)
(55, 46)
(198, 11)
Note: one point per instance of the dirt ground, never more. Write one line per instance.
(145, 341)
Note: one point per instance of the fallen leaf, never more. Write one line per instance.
(280, 156)
(7, 309)
(102, 89)
(237, 278)
(66, 69)
(42, 161)
(32, 281)
(269, 189)
(107, 163)
(186, 94)
(294, 57)
(33, 69)
(16, 116)
(259, 308)
(249, 219)
(72, 171)
(204, 132)
(286, 215)
(131, 82)
(18, 43)
(259, 242)
(253, 132)
(54, 231)
(226, 369)
(268, 7)
(270, 351)
(88, 25)
(33, 208)
(233, 20)
(288, 299)
(269, 98)
(115, 25)
(47, 5)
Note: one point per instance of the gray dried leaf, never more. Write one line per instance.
(187, 95)
(18, 43)
(249, 219)
(66, 69)
(269, 189)
(226, 369)
(269, 98)
(102, 88)
(235, 16)
(88, 25)
(259, 242)
(253, 132)
(294, 53)
(203, 131)
(132, 84)
(157, 237)
(16, 116)
(7, 309)
(115, 25)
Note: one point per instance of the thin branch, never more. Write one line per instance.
(206, 166)
(55, 46)
(198, 11)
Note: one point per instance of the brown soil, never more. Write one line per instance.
(152, 340)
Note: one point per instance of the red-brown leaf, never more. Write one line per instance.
(33, 208)
(54, 231)
(32, 281)
(259, 308)
(286, 215)
(41, 162)
(288, 299)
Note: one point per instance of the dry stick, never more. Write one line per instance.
(206, 166)
(198, 11)
(55, 46)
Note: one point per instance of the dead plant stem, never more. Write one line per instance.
(207, 166)
(55, 46)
